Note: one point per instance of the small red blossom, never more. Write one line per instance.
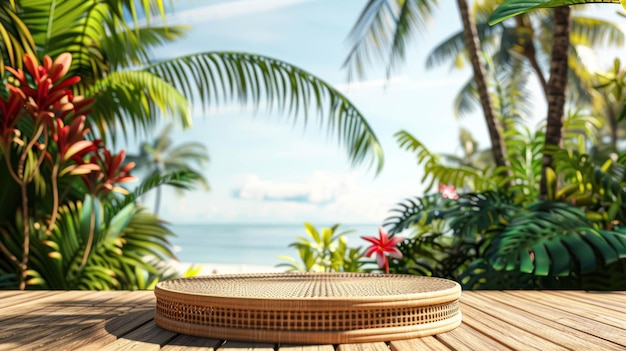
(111, 172)
(71, 139)
(382, 246)
(448, 192)
(10, 113)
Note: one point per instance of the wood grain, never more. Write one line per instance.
(492, 320)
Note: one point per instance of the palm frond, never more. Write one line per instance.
(512, 8)
(525, 154)
(595, 32)
(224, 76)
(578, 124)
(382, 31)
(453, 50)
(183, 179)
(460, 177)
(418, 211)
(128, 47)
(466, 100)
(134, 100)
(16, 39)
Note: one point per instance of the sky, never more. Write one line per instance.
(265, 169)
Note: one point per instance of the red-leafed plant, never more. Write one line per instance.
(45, 141)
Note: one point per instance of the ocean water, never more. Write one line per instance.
(249, 244)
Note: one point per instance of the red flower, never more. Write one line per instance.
(50, 96)
(10, 114)
(448, 192)
(71, 139)
(111, 172)
(383, 245)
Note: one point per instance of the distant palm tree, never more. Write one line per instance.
(385, 26)
(161, 157)
(522, 48)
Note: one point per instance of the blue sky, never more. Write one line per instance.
(265, 170)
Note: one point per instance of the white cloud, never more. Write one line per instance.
(330, 198)
(229, 10)
(319, 188)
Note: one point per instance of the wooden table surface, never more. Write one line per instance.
(492, 320)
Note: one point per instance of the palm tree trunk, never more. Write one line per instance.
(556, 88)
(493, 124)
(530, 52)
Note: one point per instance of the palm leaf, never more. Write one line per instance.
(128, 47)
(512, 8)
(225, 76)
(382, 31)
(561, 239)
(459, 177)
(595, 32)
(453, 48)
(418, 211)
(15, 38)
(183, 179)
(135, 100)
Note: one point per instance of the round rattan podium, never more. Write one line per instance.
(308, 308)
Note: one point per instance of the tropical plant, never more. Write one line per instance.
(113, 57)
(488, 240)
(161, 157)
(610, 92)
(573, 239)
(556, 89)
(69, 229)
(325, 251)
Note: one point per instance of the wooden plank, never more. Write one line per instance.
(23, 328)
(427, 343)
(191, 343)
(306, 348)
(245, 346)
(506, 332)
(600, 314)
(597, 299)
(125, 318)
(8, 293)
(30, 300)
(518, 313)
(67, 306)
(368, 346)
(571, 317)
(148, 337)
(99, 335)
(465, 338)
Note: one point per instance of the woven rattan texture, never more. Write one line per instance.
(295, 285)
(308, 307)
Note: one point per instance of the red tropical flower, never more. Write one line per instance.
(71, 139)
(10, 113)
(382, 246)
(448, 192)
(50, 96)
(111, 172)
